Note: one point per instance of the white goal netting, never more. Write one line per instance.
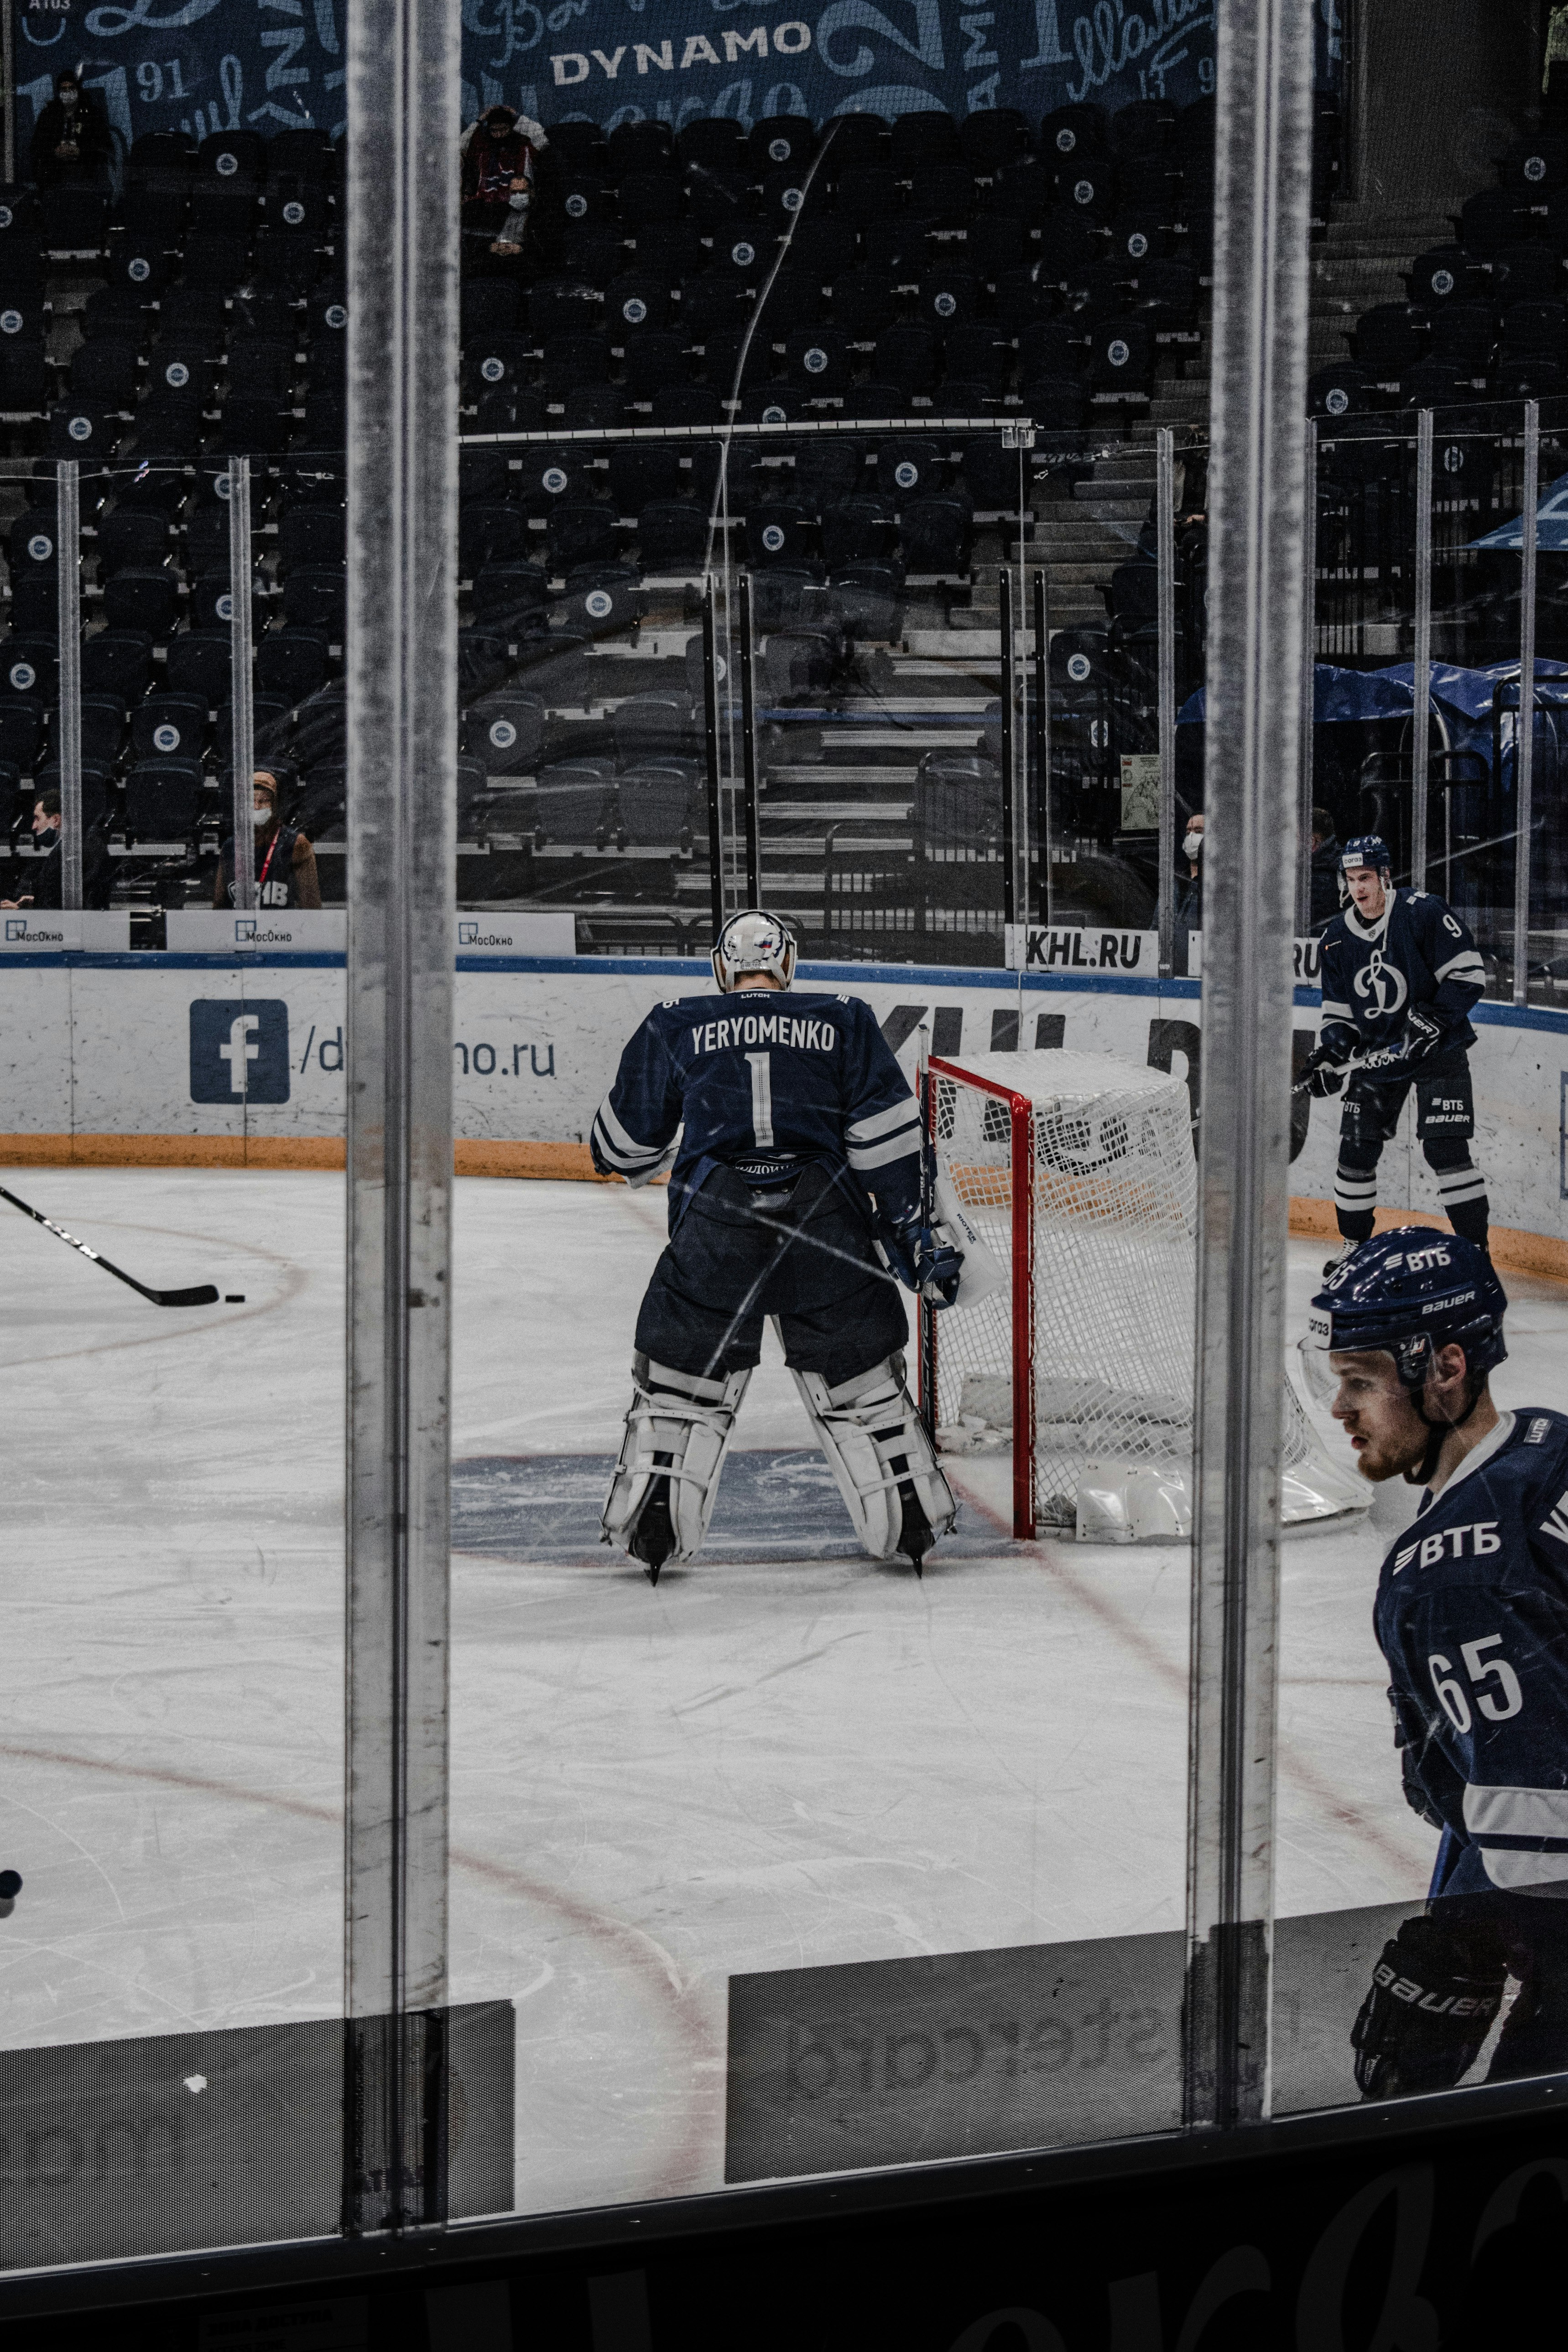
(1111, 1225)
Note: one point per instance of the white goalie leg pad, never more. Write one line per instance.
(878, 1452)
(677, 1434)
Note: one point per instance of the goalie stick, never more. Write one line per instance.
(202, 1294)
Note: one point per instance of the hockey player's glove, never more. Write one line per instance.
(1434, 1995)
(924, 1259)
(1324, 1073)
(1423, 1033)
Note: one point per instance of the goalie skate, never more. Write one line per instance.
(677, 1434)
(882, 1458)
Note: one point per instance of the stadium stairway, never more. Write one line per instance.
(1361, 261)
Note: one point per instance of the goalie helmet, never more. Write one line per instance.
(754, 940)
(1408, 1292)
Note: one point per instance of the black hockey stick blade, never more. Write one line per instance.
(203, 1294)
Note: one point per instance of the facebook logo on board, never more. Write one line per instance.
(239, 1050)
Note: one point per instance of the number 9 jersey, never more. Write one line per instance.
(1472, 1618)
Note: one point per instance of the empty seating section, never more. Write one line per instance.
(781, 275)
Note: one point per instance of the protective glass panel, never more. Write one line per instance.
(814, 538)
(1415, 1779)
(171, 1913)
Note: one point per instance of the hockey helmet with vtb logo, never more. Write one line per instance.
(1366, 849)
(754, 940)
(1408, 1292)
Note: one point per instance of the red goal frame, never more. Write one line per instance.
(1021, 1115)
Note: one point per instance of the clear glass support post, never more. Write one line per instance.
(1309, 677)
(1166, 592)
(67, 613)
(1045, 895)
(402, 126)
(1421, 679)
(1524, 740)
(1252, 748)
(241, 708)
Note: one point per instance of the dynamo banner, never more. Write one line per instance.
(223, 65)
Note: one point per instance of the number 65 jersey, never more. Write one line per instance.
(1472, 1617)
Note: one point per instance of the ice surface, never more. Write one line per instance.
(770, 1761)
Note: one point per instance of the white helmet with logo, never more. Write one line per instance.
(754, 940)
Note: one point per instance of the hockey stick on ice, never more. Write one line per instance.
(204, 1294)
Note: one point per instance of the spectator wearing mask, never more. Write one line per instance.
(1326, 855)
(1189, 913)
(72, 139)
(285, 862)
(497, 176)
(46, 879)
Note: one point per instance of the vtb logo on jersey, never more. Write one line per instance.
(1382, 985)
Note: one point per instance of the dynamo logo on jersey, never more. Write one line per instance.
(1381, 985)
(240, 1049)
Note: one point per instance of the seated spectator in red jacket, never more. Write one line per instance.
(497, 152)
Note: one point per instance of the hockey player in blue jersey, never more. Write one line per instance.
(795, 1149)
(1471, 1616)
(1400, 975)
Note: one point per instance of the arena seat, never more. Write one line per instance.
(162, 798)
(647, 724)
(199, 659)
(116, 662)
(599, 600)
(826, 469)
(715, 141)
(141, 600)
(168, 723)
(510, 595)
(21, 739)
(861, 528)
(575, 803)
(654, 360)
(72, 220)
(934, 532)
(504, 730)
(672, 536)
(992, 138)
(1464, 336)
(580, 532)
(291, 662)
(132, 540)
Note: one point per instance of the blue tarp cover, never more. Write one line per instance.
(1353, 693)
(1336, 694)
(1551, 524)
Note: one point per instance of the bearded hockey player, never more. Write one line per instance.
(1400, 975)
(1471, 1616)
(791, 1139)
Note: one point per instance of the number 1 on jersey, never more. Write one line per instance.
(762, 1098)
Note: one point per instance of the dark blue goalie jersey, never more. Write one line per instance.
(1472, 1617)
(1417, 952)
(763, 1081)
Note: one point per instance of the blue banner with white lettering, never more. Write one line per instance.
(219, 65)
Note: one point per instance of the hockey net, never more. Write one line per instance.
(1078, 1172)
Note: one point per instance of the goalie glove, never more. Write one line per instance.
(1434, 1995)
(924, 1259)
